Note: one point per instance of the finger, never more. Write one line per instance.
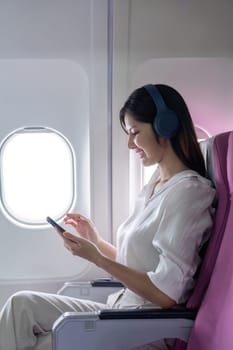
(73, 216)
(70, 246)
(71, 237)
(72, 222)
(76, 217)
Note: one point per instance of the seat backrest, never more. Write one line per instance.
(216, 153)
(216, 164)
(213, 326)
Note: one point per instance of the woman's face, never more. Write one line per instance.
(141, 139)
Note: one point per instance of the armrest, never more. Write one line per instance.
(173, 313)
(106, 282)
(97, 290)
(120, 329)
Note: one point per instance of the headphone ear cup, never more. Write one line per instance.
(166, 123)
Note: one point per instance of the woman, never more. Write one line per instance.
(157, 247)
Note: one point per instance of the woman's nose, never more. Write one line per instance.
(131, 143)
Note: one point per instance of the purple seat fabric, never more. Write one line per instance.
(207, 295)
(213, 326)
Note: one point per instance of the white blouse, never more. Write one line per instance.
(163, 235)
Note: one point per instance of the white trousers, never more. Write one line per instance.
(27, 319)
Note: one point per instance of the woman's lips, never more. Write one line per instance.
(140, 153)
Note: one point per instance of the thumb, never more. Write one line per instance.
(70, 236)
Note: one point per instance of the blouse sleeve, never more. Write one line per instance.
(185, 219)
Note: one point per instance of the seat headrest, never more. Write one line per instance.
(207, 151)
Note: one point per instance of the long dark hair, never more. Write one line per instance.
(142, 108)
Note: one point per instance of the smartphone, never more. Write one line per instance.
(59, 228)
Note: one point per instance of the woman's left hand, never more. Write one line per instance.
(81, 247)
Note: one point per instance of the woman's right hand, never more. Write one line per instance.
(83, 226)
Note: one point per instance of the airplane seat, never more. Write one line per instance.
(213, 326)
(126, 329)
(217, 164)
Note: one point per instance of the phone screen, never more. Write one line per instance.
(52, 222)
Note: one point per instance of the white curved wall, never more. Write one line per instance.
(186, 44)
(53, 69)
(205, 84)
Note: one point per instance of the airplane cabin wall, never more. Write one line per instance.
(185, 44)
(54, 73)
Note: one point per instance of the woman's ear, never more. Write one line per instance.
(164, 142)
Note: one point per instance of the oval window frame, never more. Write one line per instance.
(9, 213)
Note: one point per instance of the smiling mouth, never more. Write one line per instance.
(141, 154)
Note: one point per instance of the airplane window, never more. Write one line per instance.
(140, 176)
(37, 176)
(147, 172)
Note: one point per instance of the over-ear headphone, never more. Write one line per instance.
(166, 122)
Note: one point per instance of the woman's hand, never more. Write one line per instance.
(89, 232)
(83, 226)
(81, 247)
(136, 281)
